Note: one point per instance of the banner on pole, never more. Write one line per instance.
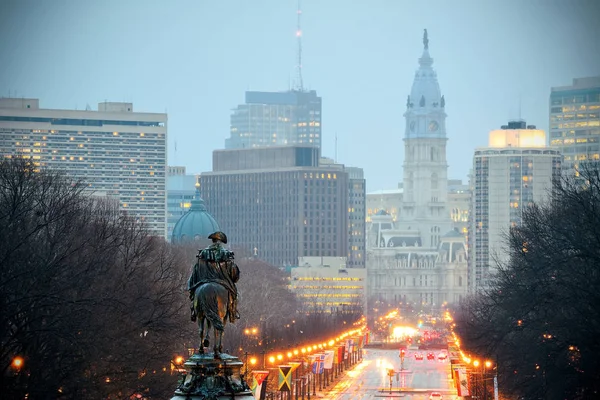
(295, 365)
(258, 383)
(341, 353)
(285, 378)
(463, 382)
(328, 362)
(314, 362)
(321, 363)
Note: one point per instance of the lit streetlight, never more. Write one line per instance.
(17, 362)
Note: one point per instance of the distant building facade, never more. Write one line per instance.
(459, 202)
(118, 152)
(326, 285)
(414, 255)
(279, 203)
(357, 208)
(516, 170)
(275, 119)
(575, 122)
(181, 189)
(390, 201)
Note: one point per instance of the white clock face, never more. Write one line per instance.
(413, 125)
(433, 126)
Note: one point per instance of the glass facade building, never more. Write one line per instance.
(117, 152)
(275, 119)
(575, 122)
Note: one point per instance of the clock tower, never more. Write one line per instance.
(425, 168)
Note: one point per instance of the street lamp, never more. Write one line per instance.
(176, 364)
(485, 365)
(17, 362)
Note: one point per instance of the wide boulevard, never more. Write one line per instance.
(413, 380)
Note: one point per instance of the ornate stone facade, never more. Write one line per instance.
(415, 256)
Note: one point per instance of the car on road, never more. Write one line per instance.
(418, 356)
(435, 396)
(442, 356)
(430, 356)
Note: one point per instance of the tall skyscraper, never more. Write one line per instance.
(514, 171)
(575, 122)
(415, 256)
(275, 119)
(118, 152)
(279, 203)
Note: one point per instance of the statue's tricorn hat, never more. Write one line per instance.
(220, 236)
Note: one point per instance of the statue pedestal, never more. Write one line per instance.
(210, 379)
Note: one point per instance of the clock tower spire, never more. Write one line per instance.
(425, 168)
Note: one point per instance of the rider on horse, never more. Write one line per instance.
(216, 263)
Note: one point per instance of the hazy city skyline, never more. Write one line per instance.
(195, 60)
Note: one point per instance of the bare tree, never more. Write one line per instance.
(88, 300)
(541, 319)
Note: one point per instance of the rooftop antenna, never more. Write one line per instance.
(519, 106)
(300, 82)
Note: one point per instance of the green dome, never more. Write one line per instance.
(196, 224)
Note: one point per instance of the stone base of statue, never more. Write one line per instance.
(208, 378)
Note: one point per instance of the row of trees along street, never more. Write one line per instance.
(540, 320)
(94, 307)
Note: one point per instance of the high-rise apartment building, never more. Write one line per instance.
(118, 152)
(275, 119)
(279, 203)
(181, 188)
(575, 122)
(516, 170)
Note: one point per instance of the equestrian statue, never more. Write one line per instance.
(213, 292)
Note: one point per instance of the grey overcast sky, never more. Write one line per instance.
(195, 59)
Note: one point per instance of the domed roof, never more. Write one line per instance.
(196, 224)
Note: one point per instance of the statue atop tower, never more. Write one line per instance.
(425, 39)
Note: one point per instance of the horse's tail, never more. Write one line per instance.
(211, 313)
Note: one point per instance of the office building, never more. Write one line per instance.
(117, 151)
(357, 203)
(575, 122)
(279, 203)
(276, 119)
(516, 170)
(181, 188)
(356, 211)
(414, 255)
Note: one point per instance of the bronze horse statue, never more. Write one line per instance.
(212, 301)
